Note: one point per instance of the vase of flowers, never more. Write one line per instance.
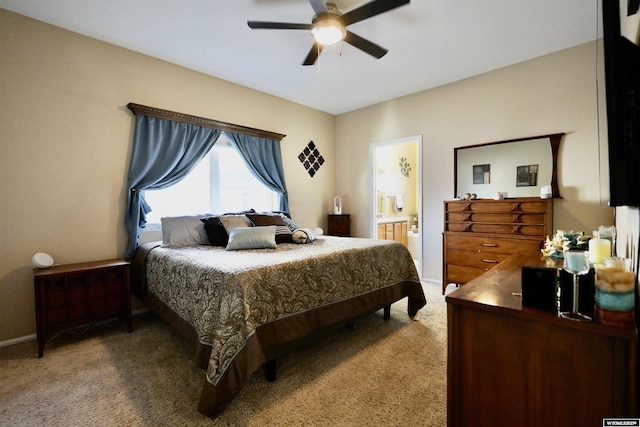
(562, 240)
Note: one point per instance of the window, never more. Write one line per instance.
(220, 183)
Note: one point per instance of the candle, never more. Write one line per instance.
(575, 261)
(615, 295)
(599, 249)
(616, 262)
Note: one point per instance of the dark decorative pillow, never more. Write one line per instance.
(283, 233)
(215, 230)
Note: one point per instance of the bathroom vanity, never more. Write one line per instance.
(394, 228)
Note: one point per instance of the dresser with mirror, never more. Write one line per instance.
(497, 210)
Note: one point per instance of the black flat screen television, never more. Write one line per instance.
(622, 85)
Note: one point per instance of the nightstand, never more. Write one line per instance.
(74, 295)
(339, 225)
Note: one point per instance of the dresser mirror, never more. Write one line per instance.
(513, 168)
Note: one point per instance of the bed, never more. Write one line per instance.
(243, 309)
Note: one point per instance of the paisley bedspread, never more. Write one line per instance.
(227, 295)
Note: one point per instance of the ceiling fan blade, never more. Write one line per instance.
(313, 54)
(319, 6)
(365, 45)
(370, 9)
(260, 25)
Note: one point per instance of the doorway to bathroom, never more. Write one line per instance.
(396, 197)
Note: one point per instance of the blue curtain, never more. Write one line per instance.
(264, 159)
(163, 153)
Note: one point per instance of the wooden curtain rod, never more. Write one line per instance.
(143, 110)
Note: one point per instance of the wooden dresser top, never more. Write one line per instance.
(499, 290)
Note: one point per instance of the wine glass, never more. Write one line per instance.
(576, 262)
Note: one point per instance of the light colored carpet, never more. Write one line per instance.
(379, 373)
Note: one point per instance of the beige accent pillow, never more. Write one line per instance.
(229, 222)
(183, 230)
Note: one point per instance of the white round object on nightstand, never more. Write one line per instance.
(42, 260)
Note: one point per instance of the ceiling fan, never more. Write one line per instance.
(328, 26)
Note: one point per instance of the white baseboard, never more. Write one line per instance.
(18, 340)
(33, 337)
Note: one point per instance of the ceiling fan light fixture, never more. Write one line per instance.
(328, 26)
(328, 32)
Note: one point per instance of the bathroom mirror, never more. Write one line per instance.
(517, 167)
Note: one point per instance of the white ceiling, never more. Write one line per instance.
(430, 42)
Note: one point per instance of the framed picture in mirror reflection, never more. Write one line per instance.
(527, 176)
(481, 174)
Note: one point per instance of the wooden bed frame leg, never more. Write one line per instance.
(387, 312)
(270, 370)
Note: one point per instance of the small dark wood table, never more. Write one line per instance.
(339, 225)
(515, 366)
(73, 295)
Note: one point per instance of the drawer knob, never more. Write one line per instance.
(490, 261)
(489, 245)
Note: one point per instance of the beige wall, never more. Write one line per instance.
(552, 94)
(65, 143)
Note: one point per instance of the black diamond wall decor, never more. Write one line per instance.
(311, 158)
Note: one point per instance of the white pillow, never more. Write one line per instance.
(230, 222)
(183, 230)
(252, 238)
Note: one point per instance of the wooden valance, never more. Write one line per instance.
(143, 110)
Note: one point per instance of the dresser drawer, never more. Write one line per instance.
(461, 274)
(501, 218)
(490, 206)
(511, 229)
(489, 244)
(484, 260)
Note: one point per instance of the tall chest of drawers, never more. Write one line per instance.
(479, 234)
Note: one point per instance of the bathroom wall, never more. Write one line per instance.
(391, 181)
